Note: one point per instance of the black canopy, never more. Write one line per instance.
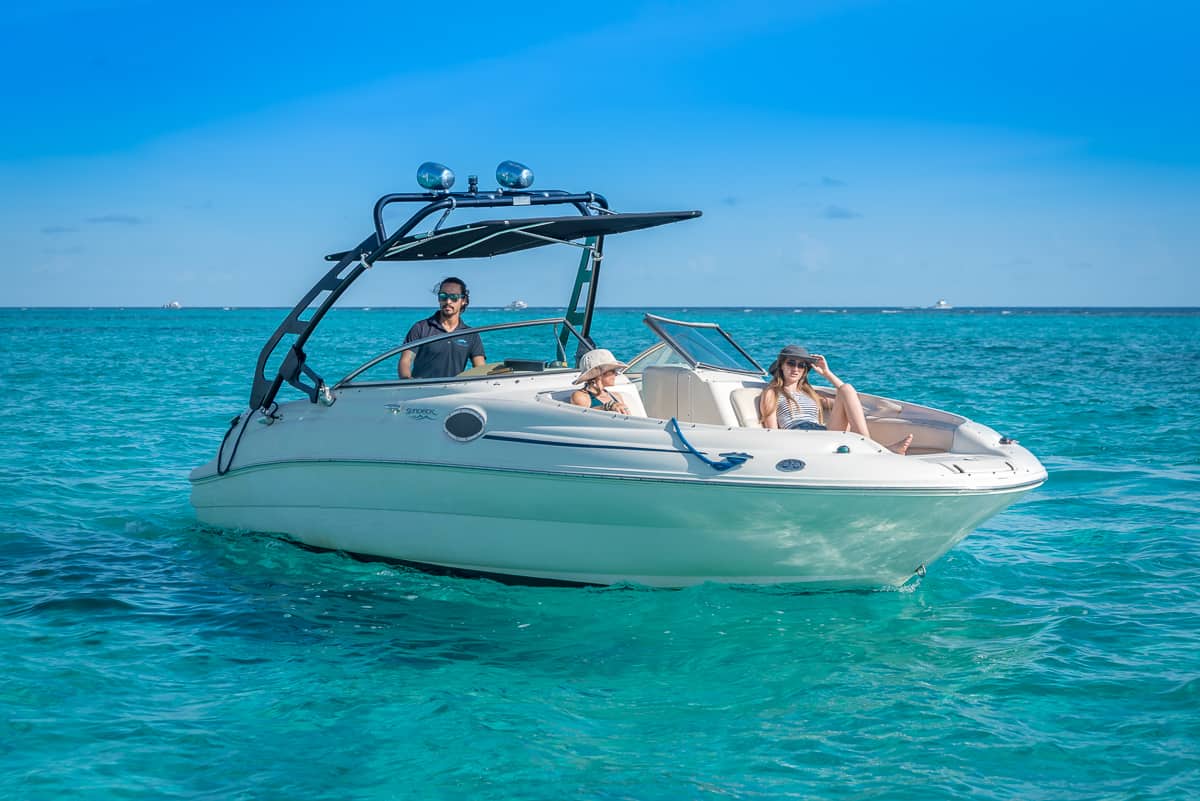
(496, 237)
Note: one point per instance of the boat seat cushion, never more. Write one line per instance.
(629, 395)
(624, 389)
(745, 406)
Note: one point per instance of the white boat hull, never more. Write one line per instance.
(600, 530)
(559, 493)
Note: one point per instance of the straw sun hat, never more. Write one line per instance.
(595, 362)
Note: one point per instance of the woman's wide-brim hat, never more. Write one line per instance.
(595, 362)
(791, 352)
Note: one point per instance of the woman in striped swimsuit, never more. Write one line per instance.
(789, 401)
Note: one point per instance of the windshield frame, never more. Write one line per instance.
(655, 323)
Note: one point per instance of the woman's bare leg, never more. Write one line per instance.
(847, 415)
(847, 412)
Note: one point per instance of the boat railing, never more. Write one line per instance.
(557, 324)
(307, 314)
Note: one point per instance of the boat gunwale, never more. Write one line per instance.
(715, 480)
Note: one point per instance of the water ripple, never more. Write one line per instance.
(1052, 655)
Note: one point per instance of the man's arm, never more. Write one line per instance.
(477, 355)
(406, 362)
(405, 365)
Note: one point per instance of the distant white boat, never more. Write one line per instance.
(517, 305)
(941, 304)
(173, 305)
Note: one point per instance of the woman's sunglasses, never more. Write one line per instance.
(797, 363)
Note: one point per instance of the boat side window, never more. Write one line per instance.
(534, 346)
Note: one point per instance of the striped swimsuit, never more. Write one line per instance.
(803, 413)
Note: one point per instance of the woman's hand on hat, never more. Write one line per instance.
(820, 365)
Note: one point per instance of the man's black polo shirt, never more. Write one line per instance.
(446, 358)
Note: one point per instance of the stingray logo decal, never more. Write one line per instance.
(790, 465)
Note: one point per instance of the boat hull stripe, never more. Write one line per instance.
(524, 440)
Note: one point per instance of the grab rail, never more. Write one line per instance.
(728, 460)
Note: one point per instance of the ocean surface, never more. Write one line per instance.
(1053, 654)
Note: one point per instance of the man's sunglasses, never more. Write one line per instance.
(451, 296)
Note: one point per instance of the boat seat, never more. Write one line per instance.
(883, 429)
(745, 406)
(627, 391)
(624, 389)
(691, 395)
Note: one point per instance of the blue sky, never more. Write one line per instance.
(843, 153)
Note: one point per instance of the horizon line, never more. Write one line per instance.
(830, 306)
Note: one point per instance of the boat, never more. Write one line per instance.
(517, 305)
(174, 304)
(941, 305)
(494, 473)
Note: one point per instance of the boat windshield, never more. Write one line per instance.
(656, 354)
(704, 345)
(527, 346)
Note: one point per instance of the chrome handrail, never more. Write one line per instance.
(416, 343)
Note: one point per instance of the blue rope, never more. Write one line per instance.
(728, 461)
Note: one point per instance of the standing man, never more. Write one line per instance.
(447, 357)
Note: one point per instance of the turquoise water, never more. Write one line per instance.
(1054, 654)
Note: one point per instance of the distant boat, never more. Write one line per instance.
(173, 305)
(941, 304)
(517, 305)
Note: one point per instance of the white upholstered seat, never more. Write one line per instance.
(745, 406)
(624, 389)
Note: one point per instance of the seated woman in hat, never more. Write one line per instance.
(789, 401)
(598, 371)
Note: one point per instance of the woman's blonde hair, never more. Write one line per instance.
(805, 387)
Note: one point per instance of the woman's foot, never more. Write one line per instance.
(901, 447)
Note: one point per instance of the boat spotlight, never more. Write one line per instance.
(514, 175)
(435, 177)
